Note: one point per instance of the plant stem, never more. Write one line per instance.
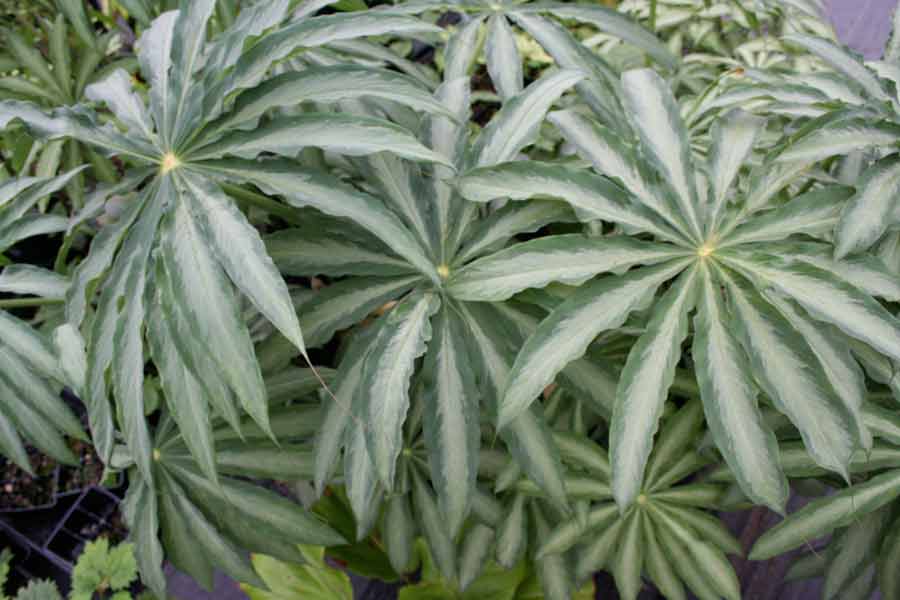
(265, 203)
(28, 302)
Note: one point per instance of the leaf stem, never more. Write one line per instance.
(265, 203)
(28, 302)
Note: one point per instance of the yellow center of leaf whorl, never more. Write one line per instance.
(169, 162)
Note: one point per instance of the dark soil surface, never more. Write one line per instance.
(20, 490)
(89, 473)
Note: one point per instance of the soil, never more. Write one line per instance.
(113, 528)
(20, 490)
(89, 473)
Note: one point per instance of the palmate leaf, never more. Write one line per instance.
(648, 373)
(730, 404)
(31, 376)
(384, 384)
(539, 19)
(566, 333)
(200, 525)
(750, 292)
(451, 420)
(416, 233)
(205, 243)
(643, 539)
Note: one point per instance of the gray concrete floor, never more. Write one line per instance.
(864, 25)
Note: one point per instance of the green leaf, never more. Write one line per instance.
(824, 515)
(841, 136)
(30, 345)
(610, 21)
(609, 154)
(399, 531)
(188, 41)
(676, 437)
(69, 347)
(531, 443)
(842, 61)
(841, 369)
(643, 388)
(116, 92)
(709, 561)
(658, 565)
(100, 567)
(31, 60)
(246, 504)
(451, 420)
(30, 226)
(184, 395)
(596, 554)
(302, 187)
(60, 57)
(30, 280)
(337, 410)
(384, 387)
(869, 213)
(503, 61)
(591, 196)
(554, 571)
(654, 114)
(790, 373)
(361, 480)
(77, 16)
(565, 535)
(24, 199)
(140, 510)
(474, 559)
(827, 298)
(729, 401)
(600, 90)
(888, 577)
(708, 527)
(733, 138)
(200, 289)
(76, 122)
(197, 540)
(98, 261)
(432, 526)
(583, 452)
(39, 590)
(310, 33)
(517, 123)
(571, 259)
(565, 334)
(401, 188)
(629, 559)
(241, 253)
(349, 302)
(115, 340)
(512, 533)
(882, 422)
(154, 55)
(813, 213)
(327, 85)
(11, 444)
(308, 252)
(343, 133)
(492, 232)
(851, 551)
(684, 564)
(314, 580)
